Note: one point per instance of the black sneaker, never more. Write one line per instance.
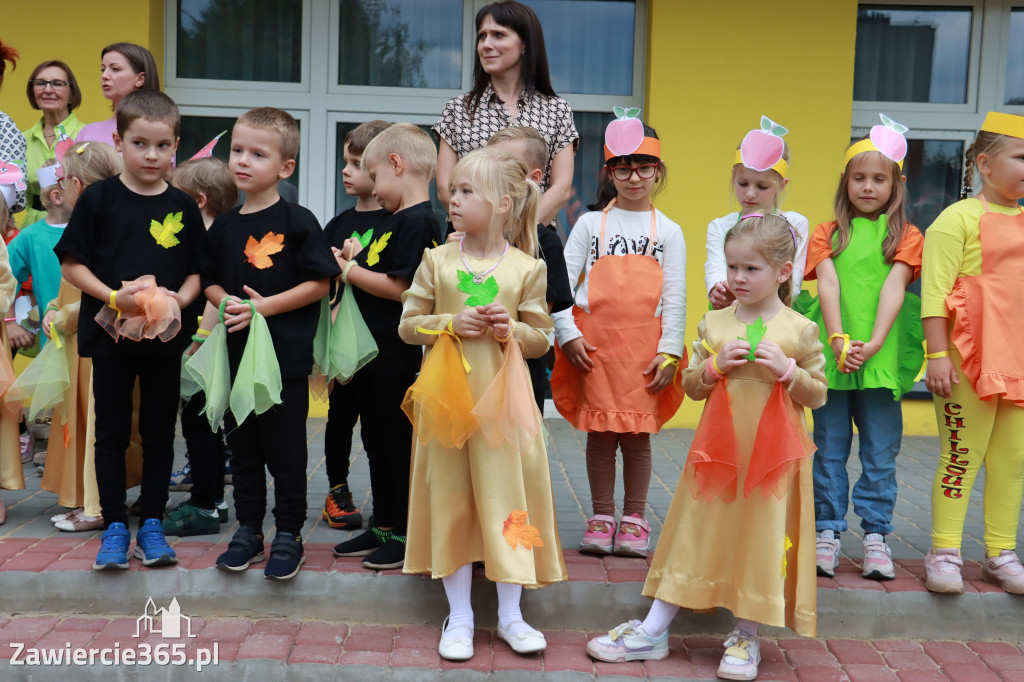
(363, 544)
(245, 548)
(339, 511)
(286, 557)
(390, 555)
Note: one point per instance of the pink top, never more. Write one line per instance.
(101, 131)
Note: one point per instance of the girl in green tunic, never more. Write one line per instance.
(864, 261)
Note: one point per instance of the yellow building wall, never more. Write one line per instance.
(84, 32)
(712, 70)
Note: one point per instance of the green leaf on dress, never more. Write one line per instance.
(755, 332)
(479, 294)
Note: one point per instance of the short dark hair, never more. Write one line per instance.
(534, 64)
(76, 93)
(151, 105)
(360, 136)
(140, 59)
(211, 177)
(277, 121)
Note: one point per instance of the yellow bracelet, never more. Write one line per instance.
(669, 360)
(348, 268)
(203, 332)
(113, 300)
(846, 348)
(714, 363)
(940, 354)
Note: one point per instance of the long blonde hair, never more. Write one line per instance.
(774, 239)
(895, 210)
(495, 174)
(985, 143)
(91, 162)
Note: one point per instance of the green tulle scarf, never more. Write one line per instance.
(342, 347)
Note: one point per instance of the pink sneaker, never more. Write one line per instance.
(1005, 571)
(942, 571)
(827, 553)
(27, 443)
(634, 537)
(599, 536)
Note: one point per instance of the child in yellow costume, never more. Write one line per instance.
(12, 476)
(70, 470)
(739, 533)
(480, 487)
(972, 294)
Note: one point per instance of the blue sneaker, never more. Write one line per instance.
(114, 550)
(181, 481)
(151, 545)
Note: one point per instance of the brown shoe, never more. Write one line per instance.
(79, 523)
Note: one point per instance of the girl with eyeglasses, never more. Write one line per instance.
(619, 347)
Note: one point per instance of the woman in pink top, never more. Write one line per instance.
(126, 67)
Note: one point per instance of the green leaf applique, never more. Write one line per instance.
(373, 257)
(164, 233)
(755, 332)
(364, 238)
(479, 294)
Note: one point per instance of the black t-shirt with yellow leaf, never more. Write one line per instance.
(121, 236)
(396, 250)
(270, 251)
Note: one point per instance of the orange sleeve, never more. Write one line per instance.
(819, 248)
(910, 248)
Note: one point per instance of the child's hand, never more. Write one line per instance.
(350, 248)
(238, 315)
(733, 354)
(854, 358)
(20, 337)
(48, 319)
(339, 257)
(455, 236)
(576, 352)
(770, 355)
(471, 322)
(940, 377)
(720, 296)
(501, 321)
(125, 298)
(662, 377)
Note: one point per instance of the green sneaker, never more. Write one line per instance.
(185, 520)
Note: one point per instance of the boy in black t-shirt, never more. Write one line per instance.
(401, 162)
(285, 284)
(124, 227)
(361, 222)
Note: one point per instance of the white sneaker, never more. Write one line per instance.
(1005, 571)
(827, 551)
(741, 658)
(877, 558)
(942, 571)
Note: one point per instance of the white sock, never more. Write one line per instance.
(659, 617)
(747, 627)
(460, 611)
(510, 617)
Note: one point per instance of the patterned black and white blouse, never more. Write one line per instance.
(550, 116)
(12, 148)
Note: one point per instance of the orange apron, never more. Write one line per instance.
(985, 310)
(624, 295)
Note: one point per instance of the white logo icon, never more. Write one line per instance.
(163, 622)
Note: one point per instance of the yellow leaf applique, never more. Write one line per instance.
(373, 257)
(164, 233)
(258, 253)
(518, 531)
(785, 550)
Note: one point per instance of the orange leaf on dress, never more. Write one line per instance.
(258, 253)
(517, 530)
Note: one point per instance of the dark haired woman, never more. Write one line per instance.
(511, 87)
(125, 68)
(52, 89)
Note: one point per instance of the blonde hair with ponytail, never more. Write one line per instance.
(494, 175)
(91, 162)
(989, 144)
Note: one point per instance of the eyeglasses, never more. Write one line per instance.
(56, 84)
(644, 172)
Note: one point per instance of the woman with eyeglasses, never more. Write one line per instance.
(53, 90)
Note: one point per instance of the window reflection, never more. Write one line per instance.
(912, 54)
(1015, 59)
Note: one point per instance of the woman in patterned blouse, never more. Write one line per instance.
(511, 87)
(12, 142)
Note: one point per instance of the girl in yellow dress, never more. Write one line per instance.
(11, 473)
(480, 487)
(740, 531)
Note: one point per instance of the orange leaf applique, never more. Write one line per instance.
(258, 253)
(517, 530)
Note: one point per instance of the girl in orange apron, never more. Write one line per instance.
(618, 350)
(972, 294)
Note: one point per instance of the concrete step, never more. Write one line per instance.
(600, 593)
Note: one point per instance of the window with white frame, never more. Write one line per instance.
(336, 63)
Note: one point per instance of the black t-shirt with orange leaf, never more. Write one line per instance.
(121, 236)
(270, 251)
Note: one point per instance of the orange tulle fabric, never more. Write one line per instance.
(160, 317)
(782, 447)
(439, 404)
(711, 469)
(507, 410)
